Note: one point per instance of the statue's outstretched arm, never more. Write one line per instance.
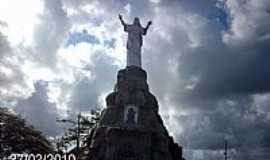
(121, 19)
(147, 27)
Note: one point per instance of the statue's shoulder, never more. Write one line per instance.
(128, 27)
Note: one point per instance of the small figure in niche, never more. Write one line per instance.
(131, 116)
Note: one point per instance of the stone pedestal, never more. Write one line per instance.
(130, 127)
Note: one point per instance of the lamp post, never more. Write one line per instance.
(226, 156)
(78, 134)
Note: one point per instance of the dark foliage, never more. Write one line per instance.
(18, 137)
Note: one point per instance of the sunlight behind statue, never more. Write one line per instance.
(135, 41)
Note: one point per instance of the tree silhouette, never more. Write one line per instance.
(18, 137)
(75, 136)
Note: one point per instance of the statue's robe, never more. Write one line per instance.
(134, 44)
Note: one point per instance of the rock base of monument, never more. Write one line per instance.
(130, 127)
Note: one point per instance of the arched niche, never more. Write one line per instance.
(131, 114)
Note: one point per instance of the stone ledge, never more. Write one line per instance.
(132, 72)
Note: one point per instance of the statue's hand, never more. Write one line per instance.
(120, 16)
(149, 23)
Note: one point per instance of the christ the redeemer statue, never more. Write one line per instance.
(135, 41)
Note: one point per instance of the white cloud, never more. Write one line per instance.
(21, 18)
(249, 21)
(14, 84)
(155, 1)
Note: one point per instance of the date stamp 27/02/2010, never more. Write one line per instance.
(42, 157)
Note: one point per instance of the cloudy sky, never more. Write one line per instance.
(208, 63)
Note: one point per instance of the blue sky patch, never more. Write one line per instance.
(79, 37)
(110, 43)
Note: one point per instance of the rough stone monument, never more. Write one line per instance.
(130, 128)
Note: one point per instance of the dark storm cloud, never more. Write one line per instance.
(228, 71)
(237, 120)
(38, 111)
(237, 65)
(224, 75)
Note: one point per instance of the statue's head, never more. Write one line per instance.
(136, 21)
